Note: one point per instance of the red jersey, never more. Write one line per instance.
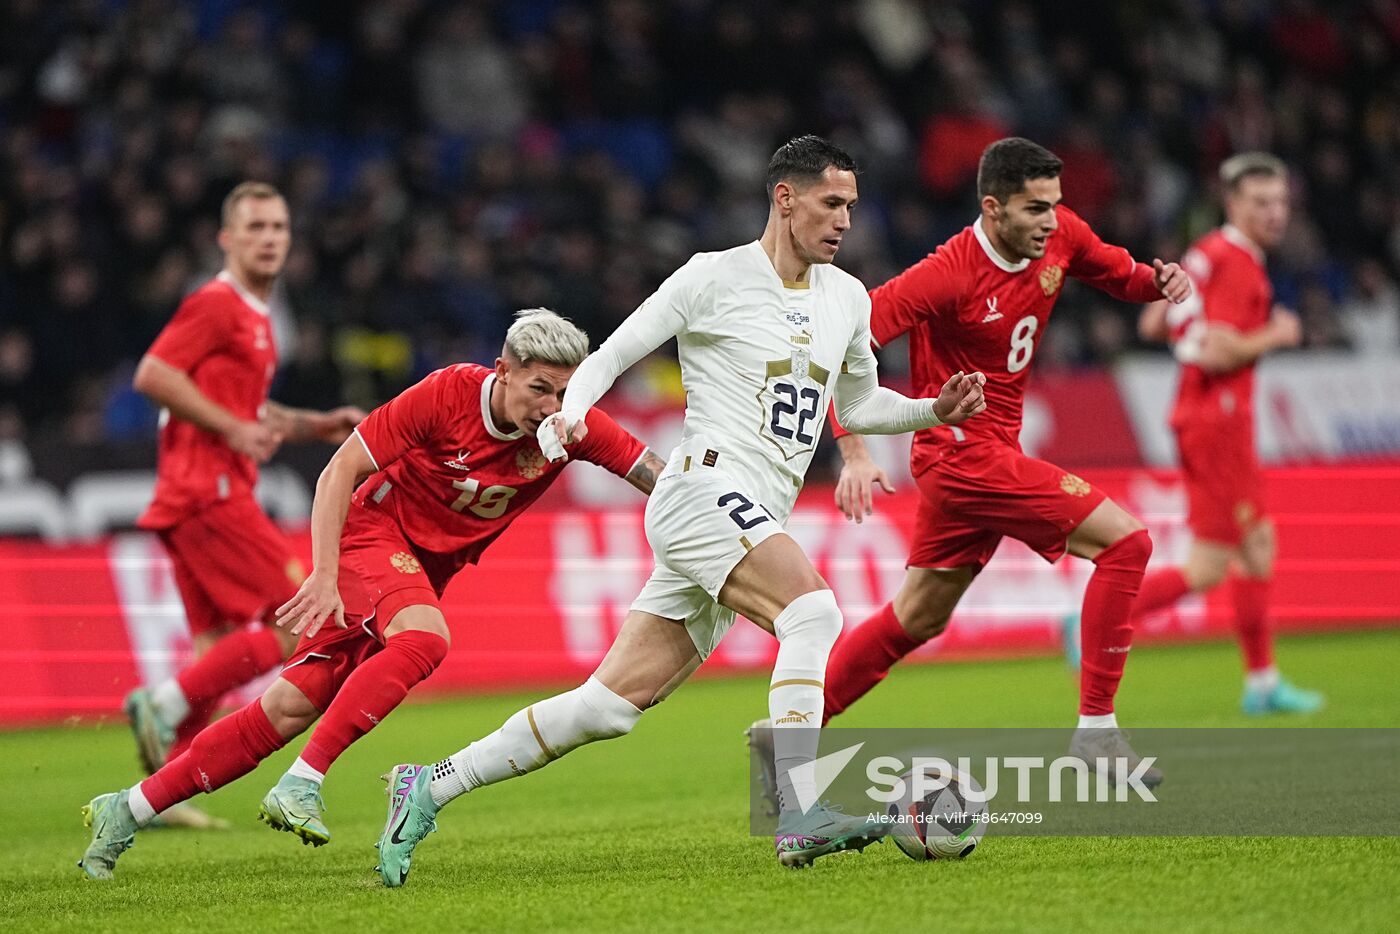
(221, 337)
(451, 480)
(1229, 287)
(966, 308)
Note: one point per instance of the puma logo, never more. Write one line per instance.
(795, 716)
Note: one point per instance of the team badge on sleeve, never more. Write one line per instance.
(1074, 486)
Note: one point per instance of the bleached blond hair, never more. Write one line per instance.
(541, 336)
(1234, 170)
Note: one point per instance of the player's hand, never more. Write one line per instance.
(960, 398)
(1288, 329)
(855, 490)
(339, 422)
(254, 439)
(555, 433)
(1171, 281)
(317, 600)
(1152, 323)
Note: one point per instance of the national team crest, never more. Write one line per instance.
(1051, 278)
(1074, 486)
(405, 563)
(801, 363)
(530, 462)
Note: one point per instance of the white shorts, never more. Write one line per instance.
(700, 523)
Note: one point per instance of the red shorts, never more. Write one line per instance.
(379, 576)
(975, 493)
(232, 565)
(1224, 486)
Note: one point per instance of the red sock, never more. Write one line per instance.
(232, 662)
(1251, 599)
(194, 723)
(862, 658)
(371, 692)
(228, 749)
(1160, 590)
(1106, 624)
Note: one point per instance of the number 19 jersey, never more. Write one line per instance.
(965, 307)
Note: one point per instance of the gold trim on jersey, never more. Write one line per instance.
(795, 284)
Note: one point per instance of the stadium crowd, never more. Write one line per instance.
(448, 162)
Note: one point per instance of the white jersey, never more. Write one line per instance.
(760, 360)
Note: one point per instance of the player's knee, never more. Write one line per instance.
(925, 625)
(1132, 550)
(288, 709)
(813, 617)
(589, 713)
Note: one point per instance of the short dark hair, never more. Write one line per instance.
(1009, 163)
(804, 159)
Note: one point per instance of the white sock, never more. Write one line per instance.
(806, 629)
(534, 737)
(140, 808)
(1262, 680)
(1105, 721)
(301, 770)
(170, 702)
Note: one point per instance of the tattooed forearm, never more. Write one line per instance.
(643, 476)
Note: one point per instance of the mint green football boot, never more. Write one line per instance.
(802, 838)
(113, 832)
(152, 734)
(294, 805)
(411, 818)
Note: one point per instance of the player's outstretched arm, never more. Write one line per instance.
(310, 425)
(1152, 322)
(855, 489)
(865, 407)
(318, 598)
(172, 389)
(1223, 349)
(643, 475)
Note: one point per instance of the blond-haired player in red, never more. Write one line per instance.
(420, 490)
(1218, 335)
(981, 302)
(209, 370)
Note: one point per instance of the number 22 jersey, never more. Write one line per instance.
(451, 480)
(965, 307)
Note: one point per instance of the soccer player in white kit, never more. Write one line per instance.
(768, 332)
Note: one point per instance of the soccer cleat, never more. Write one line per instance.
(153, 735)
(1102, 747)
(1283, 698)
(187, 817)
(1069, 639)
(760, 737)
(113, 831)
(822, 831)
(294, 804)
(411, 813)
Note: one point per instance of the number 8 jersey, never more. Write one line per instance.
(965, 307)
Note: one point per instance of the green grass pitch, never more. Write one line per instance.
(650, 832)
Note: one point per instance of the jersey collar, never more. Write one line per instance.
(1237, 237)
(991, 252)
(486, 418)
(249, 299)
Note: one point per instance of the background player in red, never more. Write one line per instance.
(441, 471)
(209, 370)
(1218, 334)
(981, 302)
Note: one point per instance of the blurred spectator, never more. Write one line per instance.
(449, 161)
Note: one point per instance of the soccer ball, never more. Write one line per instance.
(940, 823)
